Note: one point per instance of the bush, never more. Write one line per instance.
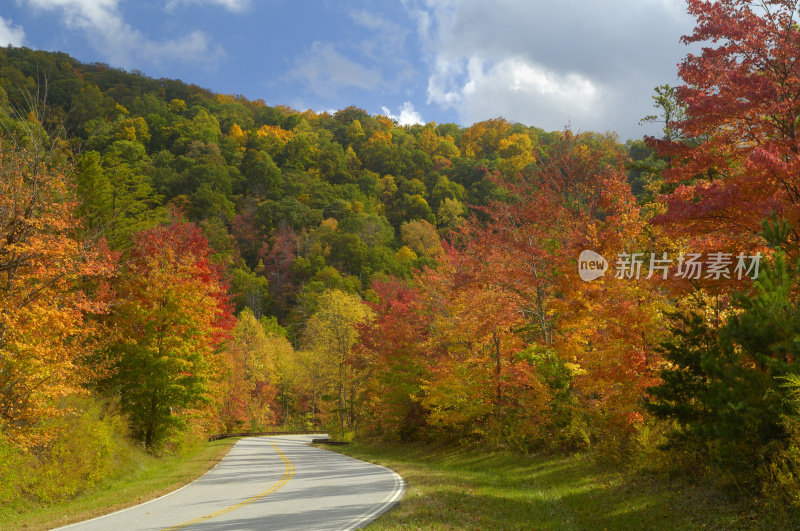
(86, 444)
(13, 478)
(194, 431)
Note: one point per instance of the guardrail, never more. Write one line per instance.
(261, 434)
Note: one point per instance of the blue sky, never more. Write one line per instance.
(591, 64)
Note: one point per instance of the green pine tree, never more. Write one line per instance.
(723, 387)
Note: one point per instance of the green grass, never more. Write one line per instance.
(146, 477)
(451, 489)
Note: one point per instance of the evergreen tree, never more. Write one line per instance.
(723, 387)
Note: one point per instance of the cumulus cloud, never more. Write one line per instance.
(9, 34)
(407, 116)
(324, 70)
(235, 6)
(593, 64)
(122, 44)
(524, 91)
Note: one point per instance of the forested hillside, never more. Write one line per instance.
(176, 263)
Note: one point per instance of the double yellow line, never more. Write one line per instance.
(283, 481)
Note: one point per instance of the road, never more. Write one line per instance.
(267, 483)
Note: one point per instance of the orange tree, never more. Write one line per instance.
(502, 339)
(51, 282)
(475, 383)
(590, 341)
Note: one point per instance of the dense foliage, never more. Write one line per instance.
(193, 262)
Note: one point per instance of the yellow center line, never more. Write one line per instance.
(283, 481)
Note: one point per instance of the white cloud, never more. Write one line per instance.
(9, 34)
(370, 20)
(384, 47)
(124, 45)
(388, 37)
(371, 60)
(528, 93)
(546, 63)
(235, 6)
(324, 70)
(407, 116)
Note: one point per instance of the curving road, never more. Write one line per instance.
(266, 483)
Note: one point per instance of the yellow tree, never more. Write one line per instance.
(421, 237)
(481, 140)
(516, 152)
(331, 333)
(317, 373)
(251, 376)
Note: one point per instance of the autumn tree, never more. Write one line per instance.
(391, 354)
(734, 155)
(250, 382)
(596, 335)
(277, 259)
(52, 282)
(315, 376)
(421, 237)
(516, 152)
(331, 334)
(482, 139)
(171, 317)
(475, 383)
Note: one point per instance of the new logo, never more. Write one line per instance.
(591, 265)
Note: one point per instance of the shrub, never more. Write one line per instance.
(13, 478)
(88, 445)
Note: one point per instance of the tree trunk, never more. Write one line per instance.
(497, 371)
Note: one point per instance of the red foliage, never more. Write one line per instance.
(736, 162)
(188, 241)
(390, 354)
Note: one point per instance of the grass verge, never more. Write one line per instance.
(146, 477)
(452, 489)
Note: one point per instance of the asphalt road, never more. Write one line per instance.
(268, 483)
